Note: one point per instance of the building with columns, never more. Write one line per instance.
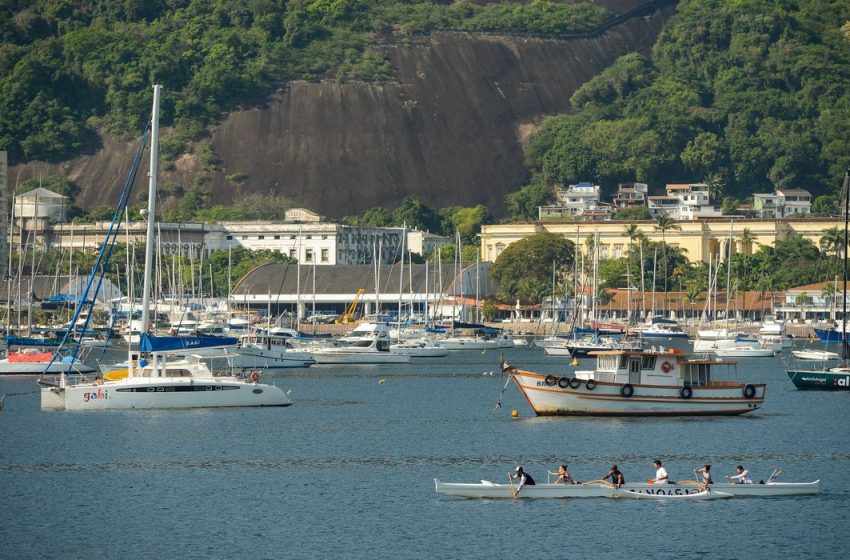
(700, 239)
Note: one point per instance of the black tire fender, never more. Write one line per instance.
(686, 392)
(627, 390)
(591, 384)
(564, 382)
(749, 391)
(550, 380)
(575, 383)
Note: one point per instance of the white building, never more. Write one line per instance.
(783, 203)
(631, 195)
(40, 207)
(690, 201)
(582, 199)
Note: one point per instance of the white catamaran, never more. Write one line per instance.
(160, 383)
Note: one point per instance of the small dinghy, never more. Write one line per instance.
(706, 494)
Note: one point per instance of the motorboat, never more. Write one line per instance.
(821, 355)
(374, 351)
(420, 348)
(662, 330)
(366, 332)
(582, 347)
(469, 343)
(639, 383)
(598, 489)
(269, 351)
(745, 351)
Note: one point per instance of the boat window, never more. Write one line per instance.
(624, 360)
(383, 345)
(362, 343)
(648, 362)
(607, 363)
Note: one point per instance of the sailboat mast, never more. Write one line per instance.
(149, 242)
(845, 347)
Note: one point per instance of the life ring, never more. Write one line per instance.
(591, 384)
(575, 383)
(686, 392)
(749, 392)
(564, 382)
(627, 390)
(255, 376)
(550, 380)
(666, 366)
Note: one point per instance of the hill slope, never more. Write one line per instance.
(448, 127)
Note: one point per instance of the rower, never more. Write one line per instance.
(564, 477)
(617, 478)
(660, 473)
(524, 478)
(705, 471)
(743, 476)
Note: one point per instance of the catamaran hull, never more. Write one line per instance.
(820, 380)
(608, 399)
(486, 489)
(162, 393)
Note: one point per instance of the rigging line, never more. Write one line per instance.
(112, 232)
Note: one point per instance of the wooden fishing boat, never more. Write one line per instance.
(639, 383)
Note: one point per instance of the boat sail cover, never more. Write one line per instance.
(150, 343)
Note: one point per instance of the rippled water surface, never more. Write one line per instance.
(347, 472)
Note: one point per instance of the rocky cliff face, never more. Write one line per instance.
(449, 129)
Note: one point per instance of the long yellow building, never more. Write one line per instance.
(700, 239)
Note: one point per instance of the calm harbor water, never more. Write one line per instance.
(347, 472)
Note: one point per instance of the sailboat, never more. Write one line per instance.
(831, 378)
(161, 383)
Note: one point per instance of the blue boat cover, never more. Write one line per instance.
(25, 341)
(179, 343)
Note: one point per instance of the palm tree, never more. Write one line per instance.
(664, 223)
(716, 185)
(831, 241)
(691, 296)
(828, 293)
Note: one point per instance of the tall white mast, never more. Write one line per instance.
(149, 239)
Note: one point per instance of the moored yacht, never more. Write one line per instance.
(374, 351)
(269, 351)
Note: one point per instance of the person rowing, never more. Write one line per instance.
(617, 478)
(524, 478)
(743, 476)
(705, 471)
(564, 477)
(661, 476)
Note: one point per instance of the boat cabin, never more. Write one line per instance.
(662, 367)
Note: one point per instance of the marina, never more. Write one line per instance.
(376, 448)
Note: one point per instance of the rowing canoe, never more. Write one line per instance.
(704, 495)
(487, 489)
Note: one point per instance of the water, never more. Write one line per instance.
(347, 472)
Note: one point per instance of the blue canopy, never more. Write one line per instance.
(150, 343)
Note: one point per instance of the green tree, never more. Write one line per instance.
(636, 213)
(523, 204)
(527, 263)
(665, 223)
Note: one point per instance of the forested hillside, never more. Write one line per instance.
(343, 105)
(748, 95)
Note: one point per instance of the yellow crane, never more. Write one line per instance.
(349, 313)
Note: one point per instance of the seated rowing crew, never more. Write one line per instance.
(705, 471)
(564, 477)
(524, 478)
(617, 478)
(743, 476)
(660, 473)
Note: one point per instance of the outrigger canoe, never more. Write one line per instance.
(487, 489)
(706, 494)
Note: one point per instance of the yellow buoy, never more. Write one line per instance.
(382, 381)
(515, 413)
